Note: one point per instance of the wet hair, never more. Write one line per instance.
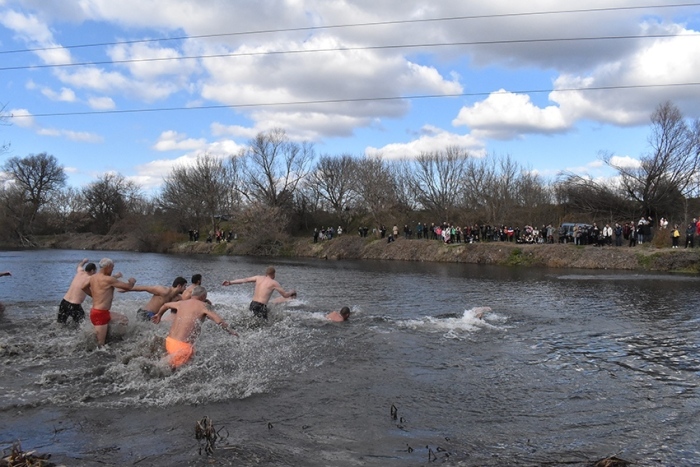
(270, 271)
(345, 312)
(179, 280)
(199, 291)
(105, 262)
(90, 267)
(196, 279)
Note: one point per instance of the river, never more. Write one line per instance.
(569, 367)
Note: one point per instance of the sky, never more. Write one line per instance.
(138, 87)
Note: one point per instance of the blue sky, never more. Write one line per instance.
(523, 81)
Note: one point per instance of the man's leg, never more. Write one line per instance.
(101, 332)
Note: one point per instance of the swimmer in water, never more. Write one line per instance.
(339, 316)
(480, 311)
(186, 325)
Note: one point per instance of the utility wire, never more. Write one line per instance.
(362, 99)
(347, 49)
(354, 25)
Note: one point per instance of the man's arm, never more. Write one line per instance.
(152, 289)
(241, 281)
(117, 284)
(219, 320)
(165, 307)
(81, 265)
(5, 273)
(291, 293)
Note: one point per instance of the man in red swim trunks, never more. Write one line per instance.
(101, 289)
(186, 325)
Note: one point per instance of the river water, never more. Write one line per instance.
(569, 367)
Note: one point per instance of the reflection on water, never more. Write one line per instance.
(567, 366)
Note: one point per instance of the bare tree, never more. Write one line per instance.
(199, 194)
(376, 187)
(333, 179)
(66, 211)
(477, 182)
(37, 177)
(272, 167)
(439, 178)
(109, 199)
(665, 175)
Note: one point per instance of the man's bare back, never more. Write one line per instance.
(187, 324)
(264, 287)
(189, 317)
(76, 294)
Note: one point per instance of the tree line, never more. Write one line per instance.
(277, 187)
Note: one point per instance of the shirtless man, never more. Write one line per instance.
(339, 316)
(196, 280)
(264, 286)
(2, 274)
(187, 324)
(160, 294)
(101, 288)
(72, 303)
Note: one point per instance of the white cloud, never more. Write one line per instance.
(219, 129)
(147, 62)
(432, 140)
(101, 103)
(21, 117)
(174, 141)
(80, 136)
(24, 119)
(504, 115)
(65, 95)
(625, 162)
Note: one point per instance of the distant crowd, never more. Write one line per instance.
(630, 233)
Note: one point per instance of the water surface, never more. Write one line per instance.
(570, 366)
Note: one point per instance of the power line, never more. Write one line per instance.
(354, 25)
(347, 49)
(361, 99)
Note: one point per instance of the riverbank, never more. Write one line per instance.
(645, 257)
(642, 257)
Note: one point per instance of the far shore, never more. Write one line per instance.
(647, 257)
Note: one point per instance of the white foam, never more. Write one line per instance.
(470, 320)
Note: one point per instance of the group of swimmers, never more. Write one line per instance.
(188, 306)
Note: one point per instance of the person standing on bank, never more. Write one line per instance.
(72, 303)
(264, 287)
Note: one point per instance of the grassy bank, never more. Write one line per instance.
(643, 257)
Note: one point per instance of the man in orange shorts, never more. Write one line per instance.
(101, 288)
(187, 324)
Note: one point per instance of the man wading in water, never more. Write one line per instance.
(72, 303)
(185, 328)
(264, 286)
(101, 289)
